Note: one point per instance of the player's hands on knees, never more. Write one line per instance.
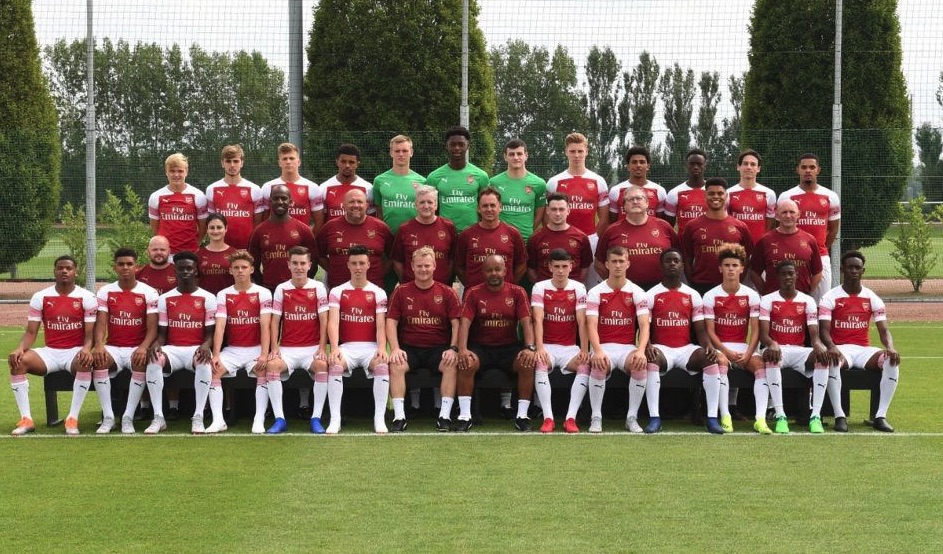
(335, 358)
(99, 357)
(14, 358)
(637, 361)
(397, 356)
(893, 356)
(542, 356)
(600, 361)
(651, 353)
(203, 354)
(465, 359)
(772, 354)
(84, 358)
(381, 356)
(526, 358)
(449, 357)
(139, 356)
(154, 353)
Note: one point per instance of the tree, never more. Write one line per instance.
(706, 133)
(930, 146)
(913, 246)
(676, 89)
(729, 146)
(29, 141)
(642, 85)
(538, 101)
(401, 73)
(606, 126)
(788, 97)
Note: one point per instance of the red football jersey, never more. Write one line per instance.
(789, 320)
(673, 313)
(177, 214)
(572, 240)
(586, 193)
(645, 244)
(477, 243)
(238, 203)
(358, 309)
(338, 235)
(701, 240)
(775, 247)
(731, 312)
(127, 312)
(559, 310)
(269, 246)
(306, 198)
(656, 199)
(851, 314)
(685, 204)
(816, 209)
(242, 311)
(494, 315)
(617, 311)
(299, 309)
(752, 206)
(439, 235)
(63, 316)
(162, 280)
(333, 192)
(185, 315)
(214, 269)
(424, 315)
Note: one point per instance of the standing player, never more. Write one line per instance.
(272, 239)
(703, 237)
(307, 202)
(685, 202)
(243, 325)
(422, 329)
(214, 257)
(787, 319)
(184, 340)
(637, 163)
(298, 334)
(354, 228)
(558, 233)
(559, 313)
(731, 319)
(524, 194)
(238, 200)
(490, 236)
(178, 211)
(336, 188)
(458, 181)
(425, 230)
(617, 325)
(819, 214)
(749, 201)
(394, 191)
(357, 335)
(67, 313)
(845, 314)
(786, 242)
(126, 326)
(587, 192)
(644, 237)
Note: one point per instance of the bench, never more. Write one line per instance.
(488, 379)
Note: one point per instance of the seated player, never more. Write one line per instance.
(298, 334)
(617, 324)
(676, 312)
(67, 314)
(787, 319)
(357, 334)
(559, 312)
(731, 319)
(243, 325)
(422, 329)
(186, 320)
(845, 313)
(487, 337)
(126, 326)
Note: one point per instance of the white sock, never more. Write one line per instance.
(653, 392)
(135, 390)
(381, 390)
(20, 386)
(274, 381)
(819, 385)
(320, 394)
(636, 392)
(216, 399)
(577, 393)
(597, 389)
(890, 374)
(399, 408)
(202, 376)
(542, 387)
(103, 388)
(711, 382)
(723, 396)
(834, 390)
(464, 407)
(335, 392)
(83, 382)
(505, 399)
(761, 395)
(445, 411)
(261, 399)
(414, 398)
(155, 386)
(522, 407)
(774, 378)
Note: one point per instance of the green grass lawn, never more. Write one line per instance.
(882, 266)
(487, 491)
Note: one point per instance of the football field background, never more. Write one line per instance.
(488, 491)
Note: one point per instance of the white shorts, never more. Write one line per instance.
(235, 358)
(560, 356)
(856, 355)
(122, 357)
(358, 354)
(794, 357)
(825, 284)
(593, 278)
(179, 357)
(678, 357)
(739, 348)
(298, 357)
(618, 353)
(57, 359)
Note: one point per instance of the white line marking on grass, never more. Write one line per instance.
(463, 436)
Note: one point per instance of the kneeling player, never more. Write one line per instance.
(845, 313)
(357, 334)
(243, 315)
(787, 317)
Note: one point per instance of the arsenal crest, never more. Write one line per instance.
(470, 180)
(198, 304)
(505, 239)
(656, 233)
(437, 298)
(371, 233)
(188, 199)
(294, 235)
(369, 296)
(800, 309)
(442, 235)
(138, 301)
(528, 190)
(244, 193)
(509, 301)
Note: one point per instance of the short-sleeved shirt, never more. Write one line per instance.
(617, 311)
(560, 306)
(816, 209)
(358, 309)
(306, 198)
(338, 235)
(701, 240)
(656, 198)
(242, 312)
(163, 279)
(476, 243)
(494, 315)
(685, 204)
(424, 316)
(458, 193)
(851, 314)
(587, 193)
(299, 309)
(731, 313)
(239, 203)
(214, 269)
(63, 316)
(127, 312)
(186, 315)
(799, 247)
(520, 199)
(269, 246)
(178, 215)
(545, 240)
(645, 244)
(789, 320)
(752, 206)
(440, 235)
(334, 191)
(395, 196)
(673, 313)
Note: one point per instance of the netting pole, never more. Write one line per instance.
(835, 252)
(463, 109)
(295, 71)
(91, 239)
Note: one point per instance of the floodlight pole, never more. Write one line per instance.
(463, 109)
(835, 252)
(295, 72)
(91, 239)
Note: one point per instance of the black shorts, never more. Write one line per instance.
(500, 357)
(428, 358)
